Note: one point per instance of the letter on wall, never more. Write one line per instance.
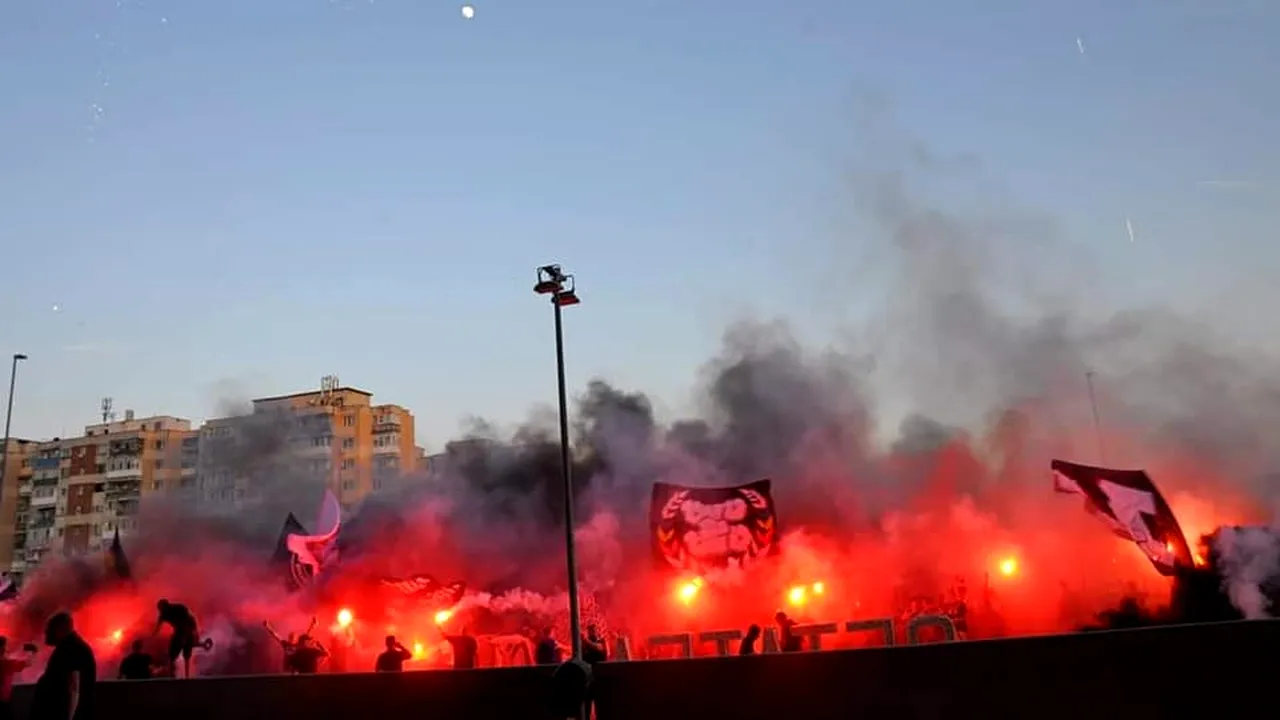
(769, 643)
(815, 631)
(622, 648)
(684, 641)
(721, 638)
(938, 621)
(884, 626)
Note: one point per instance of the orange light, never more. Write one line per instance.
(819, 588)
(117, 635)
(797, 595)
(418, 651)
(1198, 559)
(1009, 567)
(344, 617)
(688, 592)
(443, 616)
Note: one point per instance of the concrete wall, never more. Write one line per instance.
(1210, 671)
(510, 694)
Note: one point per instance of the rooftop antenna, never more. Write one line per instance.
(328, 386)
(107, 415)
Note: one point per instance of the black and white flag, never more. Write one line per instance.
(1132, 507)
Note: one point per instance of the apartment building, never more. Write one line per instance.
(81, 490)
(14, 504)
(335, 435)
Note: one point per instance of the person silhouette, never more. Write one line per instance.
(748, 645)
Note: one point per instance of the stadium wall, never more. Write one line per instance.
(1219, 670)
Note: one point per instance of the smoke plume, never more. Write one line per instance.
(909, 456)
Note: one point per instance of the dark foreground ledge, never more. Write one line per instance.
(1210, 671)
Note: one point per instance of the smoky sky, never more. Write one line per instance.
(958, 316)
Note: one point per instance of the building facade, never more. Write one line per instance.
(14, 504)
(81, 490)
(335, 437)
(71, 495)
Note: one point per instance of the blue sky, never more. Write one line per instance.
(228, 199)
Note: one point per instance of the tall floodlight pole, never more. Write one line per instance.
(1097, 423)
(553, 282)
(8, 417)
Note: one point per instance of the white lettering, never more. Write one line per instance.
(683, 641)
(939, 621)
(814, 632)
(721, 638)
(884, 626)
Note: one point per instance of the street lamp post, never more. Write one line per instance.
(552, 281)
(8, 417)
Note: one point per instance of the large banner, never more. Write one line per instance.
(1131, 505)
(700, 529)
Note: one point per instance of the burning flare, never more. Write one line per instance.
(688, 592)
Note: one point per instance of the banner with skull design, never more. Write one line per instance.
(700, 529)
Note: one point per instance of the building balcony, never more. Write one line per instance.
(39, 464)
(24, 489)
(127, 473)
(125, 448)
(387, 426)
(44, 501)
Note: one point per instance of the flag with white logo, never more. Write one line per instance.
(310, 555)
(1132, 507)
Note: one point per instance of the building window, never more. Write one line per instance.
(157, 485)
(159, 464)
(348, 443)
(159, 443)
(348, 420)
(348, 484)
(348, 463)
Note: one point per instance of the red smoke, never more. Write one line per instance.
(974, 511)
